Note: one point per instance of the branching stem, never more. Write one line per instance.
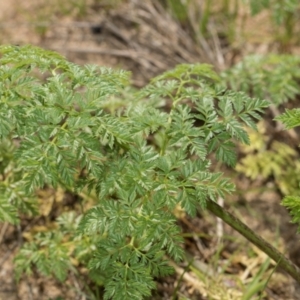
(283, 262)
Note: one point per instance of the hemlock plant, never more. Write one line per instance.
(130, 157)
(274, 77)
(291, 119)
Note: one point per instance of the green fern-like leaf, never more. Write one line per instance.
(272, 77)
(291, 118)
(131, 157)
(292, 203)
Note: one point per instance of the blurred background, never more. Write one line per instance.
(254, 46)
(148, 37)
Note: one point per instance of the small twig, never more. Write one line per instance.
(283, 262)
(80, 294)
(200, 265)
(29, 290)
(197, 284)
(3, 231)
(20, 236)
(219, 226)
(218, 52)
(199, 245)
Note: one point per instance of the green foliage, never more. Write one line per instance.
(178, 9)
(293, 204)
(137, 155)
(48, 253)
(291, 119)
(273, 77)
(281, 10)
(265, 158)
(283, 15)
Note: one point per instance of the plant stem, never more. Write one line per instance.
(283, 262)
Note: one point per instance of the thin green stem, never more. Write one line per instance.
(176, 99)
(283, 262)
